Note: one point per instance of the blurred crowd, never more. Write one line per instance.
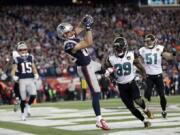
(37, 27)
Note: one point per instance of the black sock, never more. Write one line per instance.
(22, 105)
(142, 105)
(95, 103)
(31, 99)
(163, 102)
(137, 113)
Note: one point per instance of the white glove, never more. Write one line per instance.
(15, 78)
(109, 71)
(3, 76)
(36, 76)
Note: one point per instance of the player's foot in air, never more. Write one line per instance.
(149, 114)
(103, 125)
(147, 124)
(164, 114)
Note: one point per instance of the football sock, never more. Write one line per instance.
(163, 102)
(141, 103)
(98, 118)
(31, 99)
(22, 106)
(95, 103)
(137, 113)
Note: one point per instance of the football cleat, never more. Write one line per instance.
(23, 117)
(149, 114)
(103, 125)
(147, 124)
(16, 107)
(164, 115)
(28, 110)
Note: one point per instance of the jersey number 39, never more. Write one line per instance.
(123, 69)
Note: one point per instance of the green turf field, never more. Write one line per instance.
(77, 118)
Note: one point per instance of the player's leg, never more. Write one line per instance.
(161, 91)
(139, 100)
(17, 96)
(149, 87)
(127, 98)
(90, 77)
(32, 92)
(22, 88)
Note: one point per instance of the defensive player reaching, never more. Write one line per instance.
(151, 55)
(85, 65)
(124, 60)
(26, 73)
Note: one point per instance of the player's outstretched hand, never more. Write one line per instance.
(109, 71)
(36, 76)
(15, 78)
(88, 21)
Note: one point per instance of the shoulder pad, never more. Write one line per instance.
(31, 56)
(69, 45)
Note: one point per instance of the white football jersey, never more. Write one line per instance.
(125, 71)
(152, 59)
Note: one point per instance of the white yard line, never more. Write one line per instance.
(163, 131)
(44, 114)
(12, 132)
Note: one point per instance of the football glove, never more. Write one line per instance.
(36, 76)
(88, 22)
(3, 76)
(15, 78)
(109, 71)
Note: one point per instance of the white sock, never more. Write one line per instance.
(98, 118)
(164, 111)
(145, 120)
(145, 110)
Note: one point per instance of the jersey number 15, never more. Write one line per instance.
(26, 67)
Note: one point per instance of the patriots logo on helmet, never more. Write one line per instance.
(62, 27)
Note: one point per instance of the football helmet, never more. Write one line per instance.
(150, 41)
(64, 28)
(22, 49)
(120, 46)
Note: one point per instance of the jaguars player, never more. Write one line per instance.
(151, 55)
(26, 73)
(124, 60)
(85, 65)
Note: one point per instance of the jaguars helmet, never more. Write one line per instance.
(150, 41)
(64, 28)
(120, 46)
